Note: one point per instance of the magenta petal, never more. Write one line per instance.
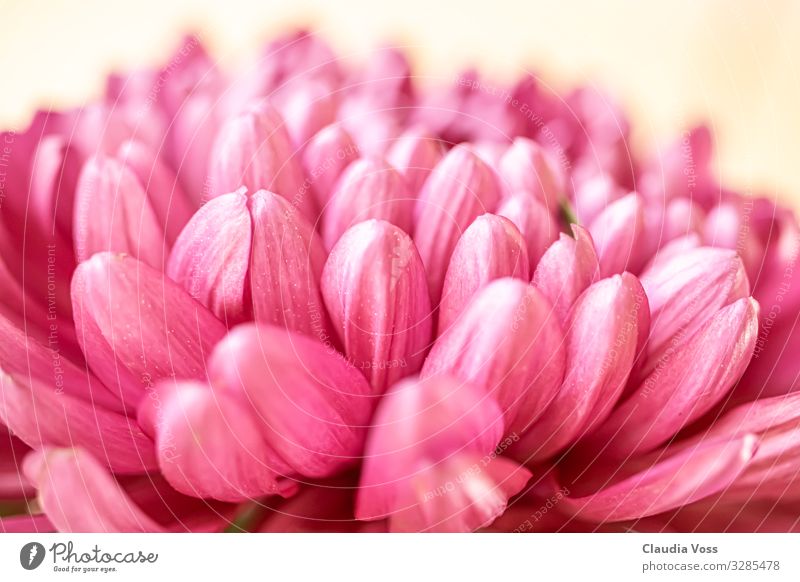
(368, 188)
(166, 196)
(489, 249)
(508, 342)
(616, 233)
(602, 340)
(534, 222)
(528, 167)
(375, 290)
(686, 383)
(211, 257)
(286, 265)
(566, 269)
(136, 326)
(312, 405)
(254, 150)
(459, 189)
(325, 157)
(678, 480)
(208, 443)
(685, 289)
(42, 416)
(414, 154)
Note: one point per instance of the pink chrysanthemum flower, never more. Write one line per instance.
(322, 296)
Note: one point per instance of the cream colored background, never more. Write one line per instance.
(736, 64)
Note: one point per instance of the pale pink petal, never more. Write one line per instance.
(677, 480)
(458, 190)
(684, 290)
(616, 233)
(690, 379)
(208, 443)
(286, 265)
(113, 213)
(534, 222)
(508, 342)
(43, 416)
(211, 257)
(136, 326)
(254, 150)
(489, 249)
(602, 340)
(172, 206)
(528, 167)
(415, 154)
(325, 157)
(368, 188)
(566, 269)
(312, 405)
(376, 292)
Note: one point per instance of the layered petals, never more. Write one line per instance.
(431, 463)
(683, 386)
(136, 326)
(311, 405)
(491, 248)
(566, 269)
(368, 188)
(460, 188)
(508, 342)
(604, 335)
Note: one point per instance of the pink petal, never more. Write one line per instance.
(307, 108)
(325, 157)
(593, 196)
(507, 342)
(54, 177)
(211, 257)
(113, 213)
(414, 154)
(459, 189)
(425, 467)
(136, 326)
(602, 340)
(172, 206)
(286, 265)
(208, 444)
(375, 290)
(534, 222)
(528, 167)
(686, 383)
(489, 249)
(79, 495)
(254, 150)
(672, 482)
(684, 290)
(26, 524)
(312, 405)
(368, 188)
(27, 360)
(43, 416)
(566, 269)
(616, 233)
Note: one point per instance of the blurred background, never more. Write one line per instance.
(733, 64)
